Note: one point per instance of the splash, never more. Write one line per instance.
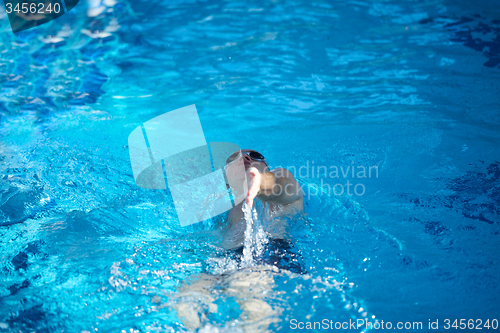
(248, 244)
(255, 237)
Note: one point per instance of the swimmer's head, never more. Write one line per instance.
(251, 158)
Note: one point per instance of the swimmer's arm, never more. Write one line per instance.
(279, 186)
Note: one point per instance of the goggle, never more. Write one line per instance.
(254, 155)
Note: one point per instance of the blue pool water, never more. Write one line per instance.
(410, 87)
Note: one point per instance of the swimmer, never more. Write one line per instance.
(279, 192)
(251, 287)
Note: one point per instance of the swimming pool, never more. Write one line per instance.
(411, 88)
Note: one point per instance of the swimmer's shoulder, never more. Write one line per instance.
(298, 204)
(282, 172)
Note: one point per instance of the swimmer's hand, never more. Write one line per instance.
(255, 179)
(279, 187)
